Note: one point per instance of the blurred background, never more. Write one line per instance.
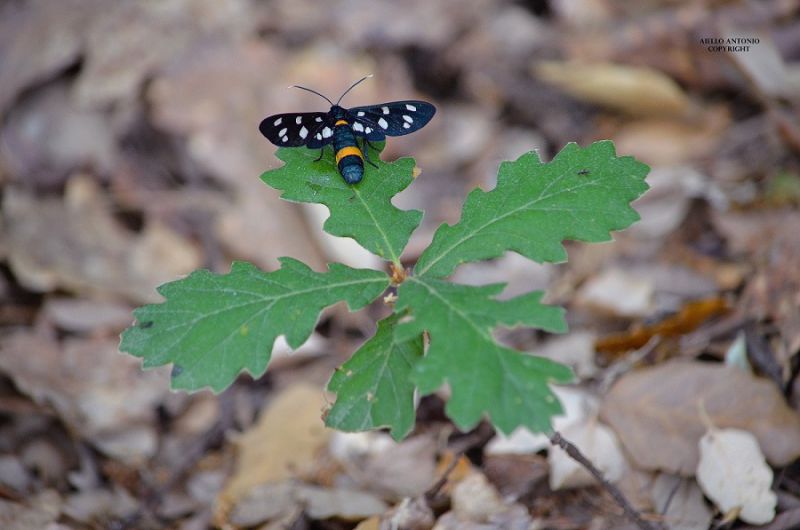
(130, 156)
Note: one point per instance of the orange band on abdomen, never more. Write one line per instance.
(340, 122)
(350, 150)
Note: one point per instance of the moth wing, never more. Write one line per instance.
(294, 129)
(375, 122)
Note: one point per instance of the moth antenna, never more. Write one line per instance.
(313, 92)
(353, 86)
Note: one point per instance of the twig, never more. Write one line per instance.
(439, 484)
(575, 453)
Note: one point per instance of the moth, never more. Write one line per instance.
(342, 127)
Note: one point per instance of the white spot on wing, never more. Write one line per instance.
(303, 133)
(298, 120)
(412, 108)
(358, 127)
(282, 132)
(383, 123)
(408, 118)
(285, 138)
(368, 130)
(319, 136)
(385, 110)
(327, 132)
(277, 122)
(406, 126)
(360, 113)
(318, 119)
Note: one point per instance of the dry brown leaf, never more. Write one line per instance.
(282, 444)
(618, 292)
(635, 90)
(38, 511)
(578, 405)
(575, 349)
(373, 523)
(85, 316)
(773, 292)
(39, 38)
(279, 500)
(128, 44)
(380, 465)
(655, 412)
(47, 136)
(76, 244)
(733, 474)
(475, 498)
(102, 395)
(220, 125)
(409, 514)
(476, 504)
(601, 447)
(666, 142)
(681, 503)
(687, 319)
(763, 65)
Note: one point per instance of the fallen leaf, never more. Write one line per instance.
(672, 189)
(667, 142)
(635, 90)
(408, 514)
(76, 244)
(274, 500)
(283, 444)
(476, 504)
(577, 405)
(102, 395)
(686, 320)
(598, 443)
(128, 44)
(575, 349)
(654, 411)
(380, 465)
(85, 315)
(763, 65)
(373, 523)
(39, 38)
(38, 511)
(46, 137)
(681, 503)
(515, 475)
(733, 474)
(13, 474)
(475, 499)
(99, 505)
(350, 505)
(618, 292)
(219, 125)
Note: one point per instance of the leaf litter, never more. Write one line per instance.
(90, 225)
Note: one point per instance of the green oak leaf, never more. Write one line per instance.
(373, 389)
(363, 211)
(213, 326)
(582, 194)
(484, 376)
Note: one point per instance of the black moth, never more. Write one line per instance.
(341, 126)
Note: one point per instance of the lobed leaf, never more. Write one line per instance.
(213, 326)
(582, 194)
(363, 211)
(484, 377)
(374, 389)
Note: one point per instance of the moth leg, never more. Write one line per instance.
(321, 151)
(365, 150)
